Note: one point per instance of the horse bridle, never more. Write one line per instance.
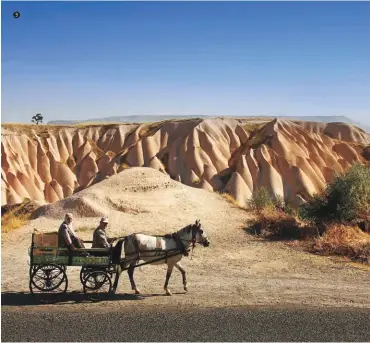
(193, 239)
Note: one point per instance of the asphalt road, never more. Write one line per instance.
(242, 324)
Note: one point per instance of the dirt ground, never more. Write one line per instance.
(237, 269)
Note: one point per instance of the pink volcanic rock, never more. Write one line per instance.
(57, 189)
(66, 136)
(135, 155)
(88, 170)
(203, 184)
(210, 148)
(61, 173)
(151, 147)
(269, 177)
(52, 147)
(12, 196)
(63, 150)
(210, 175)
(316, 181)
(238, 189)
(50, 194)
(103, 161)
(155, 163)
(83, 151)
(347, 152)
(292, 158)
(16, 185)
(78, 141)
(67, 191)
(32, 154)
(43, 165)
(33, 192)
(243, 170)
(345, 165)
(304, 184)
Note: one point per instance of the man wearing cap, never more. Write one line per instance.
(67, 236)
(100, 239)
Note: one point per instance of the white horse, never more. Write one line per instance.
(157, 250)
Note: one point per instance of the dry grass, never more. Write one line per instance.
(123, 166)
(11, 221)
(150, 129)
(15, 216)
(345, 241)
(251, 128)
(340, 240)
(230, 199)
(256, 133)
(85, 229)
(273, 224)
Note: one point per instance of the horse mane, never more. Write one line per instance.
(186, 228)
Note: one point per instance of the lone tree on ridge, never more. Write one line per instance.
(37, 118)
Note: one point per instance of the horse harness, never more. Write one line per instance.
(179, 242)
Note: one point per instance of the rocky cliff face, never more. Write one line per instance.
(292, 159)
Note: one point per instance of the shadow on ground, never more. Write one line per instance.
(27, 299)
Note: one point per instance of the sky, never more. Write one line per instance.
(85, 60)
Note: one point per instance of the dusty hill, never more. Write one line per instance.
(48, 163)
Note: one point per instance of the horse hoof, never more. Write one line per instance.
(137, 291)
(168, 292)
(185, 289)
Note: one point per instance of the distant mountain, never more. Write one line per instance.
(126, 119)
(155, 118)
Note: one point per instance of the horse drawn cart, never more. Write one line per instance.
(100, 268)
(48, 265)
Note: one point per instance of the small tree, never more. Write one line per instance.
(343, 199)
(37, 118)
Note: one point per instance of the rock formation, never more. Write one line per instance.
(293, 160)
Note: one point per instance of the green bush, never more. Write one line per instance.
(261, 200)
(343, 199)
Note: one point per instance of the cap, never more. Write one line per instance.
(104, 220)
(68, 215)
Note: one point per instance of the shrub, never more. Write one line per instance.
(344, 240)
(274, 224)
(262, 200)
(343, 199)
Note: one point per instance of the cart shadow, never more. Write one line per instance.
(27, 299)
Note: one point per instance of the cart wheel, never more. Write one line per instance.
(86, 270)
(83, 273)
(48, 282)
(32, 268)
(97, 285)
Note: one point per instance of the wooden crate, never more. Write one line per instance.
(45, 239)
(46, 243)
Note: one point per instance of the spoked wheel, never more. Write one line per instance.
(48, 282)
(86, 270)
(97, 285)
(32, 268)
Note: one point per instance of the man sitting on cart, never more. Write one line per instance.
(100, 238)
(67, 237)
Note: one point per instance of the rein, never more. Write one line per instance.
(175, 236)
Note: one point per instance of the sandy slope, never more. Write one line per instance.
(237, 269)
(291, 159)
